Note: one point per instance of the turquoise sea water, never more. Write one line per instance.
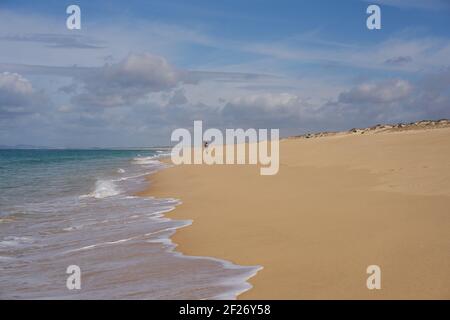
(78, 207)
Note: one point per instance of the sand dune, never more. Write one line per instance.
(339, 203)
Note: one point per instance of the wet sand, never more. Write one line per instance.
(338, 204)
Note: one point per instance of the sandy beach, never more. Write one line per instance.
(338, 204)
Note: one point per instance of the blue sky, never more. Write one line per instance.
(138, 69)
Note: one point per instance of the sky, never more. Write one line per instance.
(137, 70)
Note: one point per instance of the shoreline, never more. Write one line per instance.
(338, 204)
(238, 284)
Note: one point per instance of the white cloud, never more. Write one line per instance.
(17, 95)
(15, 84)
(268, 100)
(127, 82)
(386, 91)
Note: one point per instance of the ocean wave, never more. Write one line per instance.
(120, 170)
(135, 176)
(7, 259)
(12, 241)
(71, 228)
(6, 220)
(103, 189)
(92, 246)
(146, 160)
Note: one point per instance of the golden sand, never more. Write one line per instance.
(338, 204)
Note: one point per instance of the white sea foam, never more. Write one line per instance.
(146, 160)
(120, 170)
(71, 228)
(92, 246)
(135, 176)
(103, 189)
(160, 213)
(15, 241)
(3, 258)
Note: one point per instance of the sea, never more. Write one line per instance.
(63, 208)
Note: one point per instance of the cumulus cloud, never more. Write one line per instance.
(127, 82)
(267, 110)
(434, 94)
(133, 79)
(386, 91)
(178, 98)
(267, 101)
(15, 84)
(17, 95)
(393, 100)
